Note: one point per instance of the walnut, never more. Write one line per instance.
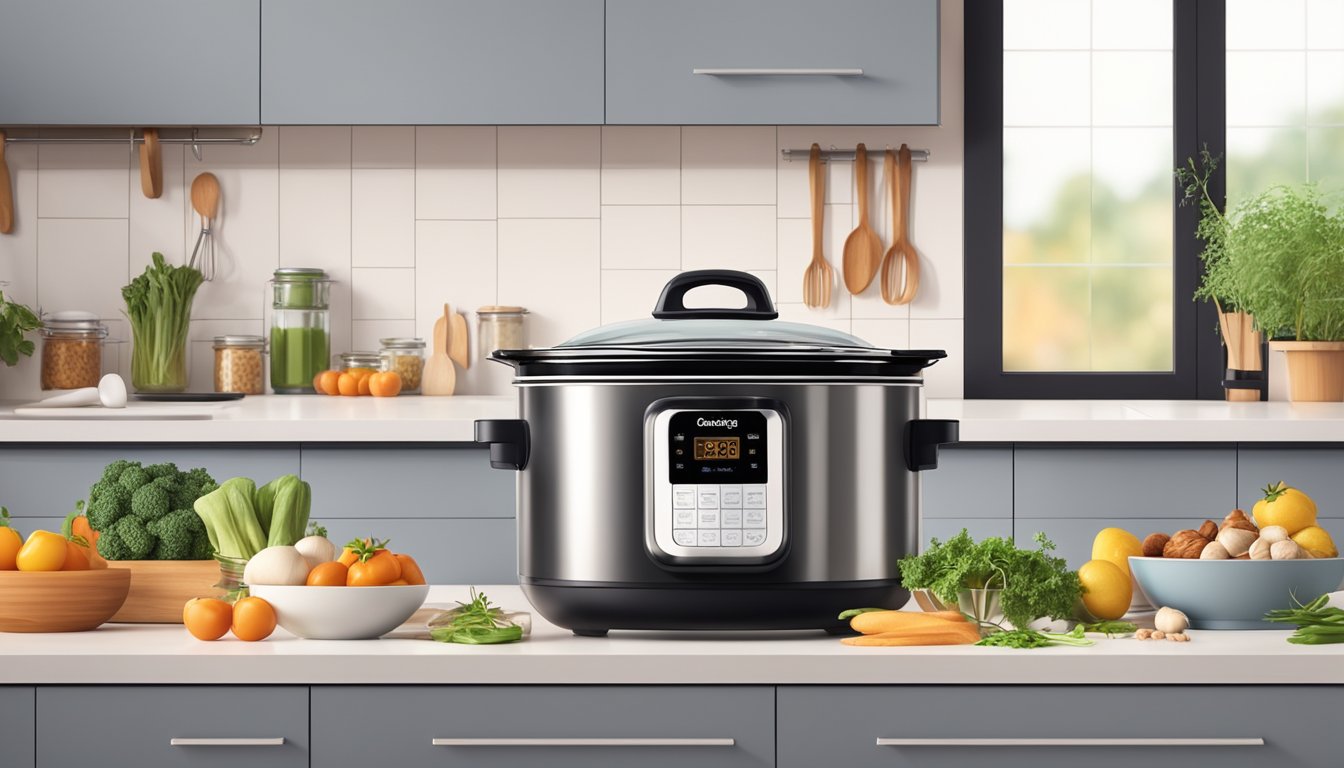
(1152, 546)
(1186, 544)
(1237, 519)
(1208, 529)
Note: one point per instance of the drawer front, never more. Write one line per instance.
(654, 46)
(135, 726)
(18, 723)
(410, 482)
(842, 725)
(647, 727)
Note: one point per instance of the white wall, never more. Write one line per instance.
(581, 224)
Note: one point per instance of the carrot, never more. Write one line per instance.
(875, 622)
(896, 639)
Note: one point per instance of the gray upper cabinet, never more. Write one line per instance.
(803, 62)
(431, 61)
(132, 62)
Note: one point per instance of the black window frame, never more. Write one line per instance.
(1199, 119)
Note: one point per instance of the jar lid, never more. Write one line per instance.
(295, 274)
(73, 322)
(242, 340)
(501, 310)
(402, 342)
(360, 359)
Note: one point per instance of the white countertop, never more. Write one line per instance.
(143, 654)
(413, 419)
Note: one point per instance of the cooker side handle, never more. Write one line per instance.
(922, 438)
(509, 441)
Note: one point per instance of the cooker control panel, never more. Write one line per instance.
(717, 485)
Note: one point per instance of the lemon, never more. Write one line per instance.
(1315, 540)
(1116, 545)
(1286, 507)
(1107, 590)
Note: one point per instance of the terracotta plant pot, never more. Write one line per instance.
(1315, 370)
(1243, 349)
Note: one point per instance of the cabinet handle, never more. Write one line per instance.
(1249, 742)
(276, 742)
(583, 742)
(785, 72)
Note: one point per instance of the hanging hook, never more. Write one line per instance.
(195, 144)
(132, 132)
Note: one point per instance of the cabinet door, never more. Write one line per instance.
(858, 727)
(161, 727)
(554, 727)
(18, 723)
(431, 61)
(772, 61)
(132, 62)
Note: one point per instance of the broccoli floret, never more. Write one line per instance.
(100, 488)
(175, 533)
(150, 502)
(105, 511)
(200, 546)
(112, 472)
(111, 547)
(139, 543)
(133, 478)
(199, 478)
(166, 469)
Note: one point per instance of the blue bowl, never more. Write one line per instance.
(1234, 594)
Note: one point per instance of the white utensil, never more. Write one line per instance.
(110, 393)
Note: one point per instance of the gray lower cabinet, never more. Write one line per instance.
(18, 720)
(407, 482)
(1111, 482)
(449, 551)
(944, 528)
(559, 727)
(939, 726)
(764, 62)
(431, 61)
(167, 726)
(132, 62)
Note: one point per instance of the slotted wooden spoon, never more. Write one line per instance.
(863, 247)
(818, 276)
(901, 257)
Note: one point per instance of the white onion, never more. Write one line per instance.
(316, 550)
(279, 566)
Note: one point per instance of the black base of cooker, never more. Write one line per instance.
(590, 609)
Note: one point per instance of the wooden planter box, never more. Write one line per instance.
(159, 588)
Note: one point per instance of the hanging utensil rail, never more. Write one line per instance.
(834, 153)
(134, 136)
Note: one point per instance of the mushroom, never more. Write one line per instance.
(1170, 621)
(1237, 541)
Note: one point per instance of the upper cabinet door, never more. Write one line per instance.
(129, 62)
(431, 61)
(804, 62)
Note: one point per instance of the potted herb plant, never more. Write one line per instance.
(16, 320)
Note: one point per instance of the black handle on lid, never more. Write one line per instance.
(672, 303)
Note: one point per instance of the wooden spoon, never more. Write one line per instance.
(894, 290)
(818, 275)
(457, 341)
(151, 165)
(863, 247)
(6, 193)
(439, 377)
(205, 196)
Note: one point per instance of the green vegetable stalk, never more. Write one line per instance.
(230, 519)
(1032, 638)
(476, 623)
(158, 306)
(1317, 623)
(282, 509)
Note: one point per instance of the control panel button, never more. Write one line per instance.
(732, 538)
(709, 518)
(753, 538)
(684, 538)
(753, 496)
(709, 538)
(683, 518)
(730, 496)
(708, 497)
(683, 497)
(753, 518)
(732, 518)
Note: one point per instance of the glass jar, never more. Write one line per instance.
(501, 328)
(72, 350)
(238, 364)
(300, 328)
(406, 356)
(347, 361)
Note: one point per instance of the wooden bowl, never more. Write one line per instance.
(60, 601)
(159, 588)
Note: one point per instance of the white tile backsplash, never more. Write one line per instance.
(83, 180)
(382, 293)
(641, 237)
(547, 265)
(81, 264)
(550, 171)
(382, 146)
(382, 224)
(456, 172)
(728, 237)
(641, 165)
(728, 165)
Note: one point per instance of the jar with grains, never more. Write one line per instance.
(349, 360)
(238, 364)
(72, 350)
(406, 356)
(501, 328)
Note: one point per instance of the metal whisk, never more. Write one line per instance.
(205, 200)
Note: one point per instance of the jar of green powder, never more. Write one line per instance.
(300, 328)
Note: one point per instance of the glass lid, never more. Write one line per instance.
(706, 333)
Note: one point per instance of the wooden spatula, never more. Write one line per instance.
(439, 377)
(151, 165)
(457, 340)
(863, 247)
(6, 193)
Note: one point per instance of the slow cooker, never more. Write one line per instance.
(714, 468)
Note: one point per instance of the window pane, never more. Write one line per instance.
(1045, 24)
(1259, 25)
(1087, 196)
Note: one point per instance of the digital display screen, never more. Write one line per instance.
(718, 448)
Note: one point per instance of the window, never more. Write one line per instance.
(1080, 265)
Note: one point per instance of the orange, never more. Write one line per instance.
(410, 570)
(253, 619)
(207, 618)
(385, 384)
(76, 557)
(364, 385)
(348, 384)
(10, 543)
(332, 574)
(329, 380)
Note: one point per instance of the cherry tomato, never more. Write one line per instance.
(76, 557)
(410, 570)
(43, 551)
(331, 574)
(253, 619)
(379, 570)
(207, 618)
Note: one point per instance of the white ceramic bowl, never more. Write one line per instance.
(342, 613)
